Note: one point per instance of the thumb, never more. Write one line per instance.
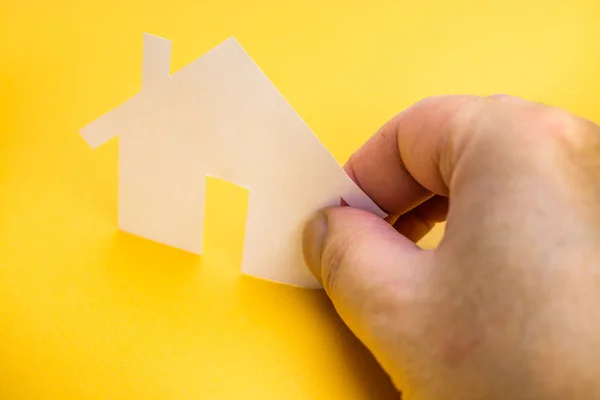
(370, 271)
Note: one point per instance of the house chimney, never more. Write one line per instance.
(156, 65)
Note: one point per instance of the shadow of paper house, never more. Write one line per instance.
(220, 116)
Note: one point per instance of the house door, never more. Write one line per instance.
(225, 212)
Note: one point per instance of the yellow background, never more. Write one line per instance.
(87, 312)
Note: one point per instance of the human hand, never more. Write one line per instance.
(508, 305)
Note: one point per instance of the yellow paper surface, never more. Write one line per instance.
(87, 312)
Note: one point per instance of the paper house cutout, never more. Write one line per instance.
(221, 116)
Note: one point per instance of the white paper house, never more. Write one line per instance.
(220, 116)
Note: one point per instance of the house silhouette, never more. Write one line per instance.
(220, 116)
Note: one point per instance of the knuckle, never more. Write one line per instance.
(558, 135)
(535, 128)
(542, 125)
(554, 124)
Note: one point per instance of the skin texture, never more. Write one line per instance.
(508, 305)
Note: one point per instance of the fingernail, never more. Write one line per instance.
(312, 242)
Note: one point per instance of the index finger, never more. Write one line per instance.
(398, 167)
